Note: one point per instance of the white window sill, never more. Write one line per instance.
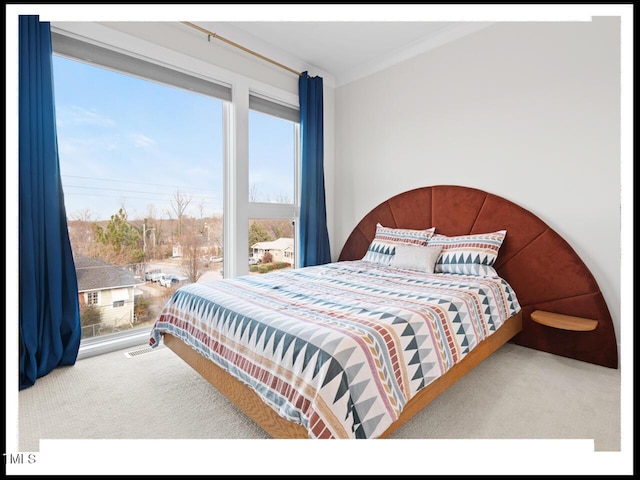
(113, 342)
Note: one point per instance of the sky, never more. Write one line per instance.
(125, 142)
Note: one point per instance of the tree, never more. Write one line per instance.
(214, 233)
(90, 315)
(192, 264)
(282, 198)
(201, 209)
(119, 242)
(81, 236)
(149, 235)
(257, 233)
(279, 228)
(151, 211)
(142, 310)
(83, 215)
(179, 203)
(254, 194)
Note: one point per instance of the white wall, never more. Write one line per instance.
(526, 111)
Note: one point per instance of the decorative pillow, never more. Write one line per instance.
(416, 257)
(383, 246)
(468, 254)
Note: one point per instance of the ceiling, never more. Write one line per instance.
(343, 50)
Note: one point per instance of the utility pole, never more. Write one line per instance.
(144, 238)
(207, 226)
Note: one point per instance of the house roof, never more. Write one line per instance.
(279, 244)
(96, 274)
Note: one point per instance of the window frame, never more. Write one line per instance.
(237, 209)
(287, 211)
(88, 298)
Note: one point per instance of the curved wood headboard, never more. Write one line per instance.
(543, 269)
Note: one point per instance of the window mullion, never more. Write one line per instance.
(236, 217)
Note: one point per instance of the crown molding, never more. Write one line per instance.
(436, 40)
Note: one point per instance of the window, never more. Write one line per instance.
(91, 298)
(273, 130)
(151, 159)
(273, 160)
(119, 296)
(141, 163)
(272, 244)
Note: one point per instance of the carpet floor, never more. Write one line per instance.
(517, 393)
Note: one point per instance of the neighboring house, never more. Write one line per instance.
(107, 286)
(282, 250)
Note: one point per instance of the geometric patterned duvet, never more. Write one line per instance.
(338, 348)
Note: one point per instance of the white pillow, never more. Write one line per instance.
(383, 247)
(416, 257)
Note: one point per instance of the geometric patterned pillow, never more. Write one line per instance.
(383, 247)
(468, 254)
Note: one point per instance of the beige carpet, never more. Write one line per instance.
(517, 393)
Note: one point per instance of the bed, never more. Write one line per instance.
(353, 349)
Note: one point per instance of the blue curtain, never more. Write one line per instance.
(314, 237)
(49, 318)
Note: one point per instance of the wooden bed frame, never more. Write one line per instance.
(243, 397)
(545, 272)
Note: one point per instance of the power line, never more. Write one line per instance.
(129, 181)
(129, 191)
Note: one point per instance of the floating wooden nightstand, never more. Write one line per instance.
(564, 322)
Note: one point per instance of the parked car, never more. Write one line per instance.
(178, 281)
(254, 261)
(165, 280)
(172, 281)
(156, 276)
(152, 275)
(215, 259)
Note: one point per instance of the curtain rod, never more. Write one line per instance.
(215, 35)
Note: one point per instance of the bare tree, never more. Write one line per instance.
(214, 233)
(169, 229)
(201, 209)
(254, 194)
(83, 215)
(179, 203)
(123, 206)
(192, 264)
(81, 235)
(282, 198)
(151, 211)
(279, 228)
